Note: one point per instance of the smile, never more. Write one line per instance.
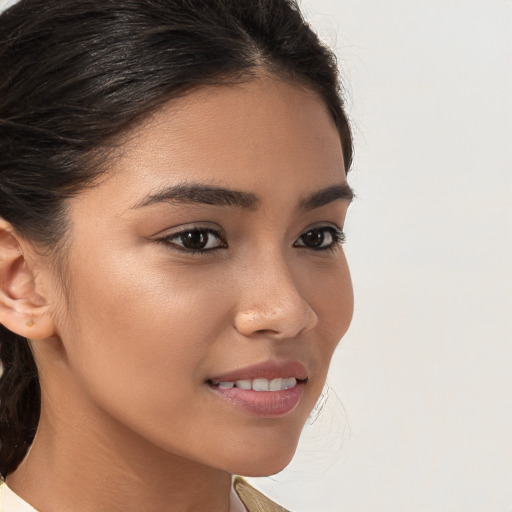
(278, 384)
(256, 398)
(269, 389)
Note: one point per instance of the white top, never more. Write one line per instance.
(11, 502)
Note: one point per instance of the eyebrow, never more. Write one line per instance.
(201, 194)
(220, 196)
(327, 195)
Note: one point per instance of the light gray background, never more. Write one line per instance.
(419, 417)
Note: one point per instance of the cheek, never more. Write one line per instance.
(339, 305)
(140, 331)
(331, 297)
(334, 304)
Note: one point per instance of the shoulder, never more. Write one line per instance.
(253, 499)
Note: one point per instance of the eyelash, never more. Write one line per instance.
(337, 236)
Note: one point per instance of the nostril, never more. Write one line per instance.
(266, 332)
(278, 324)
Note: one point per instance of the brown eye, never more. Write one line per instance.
(196, 240)
(314, 238)
(320, 238)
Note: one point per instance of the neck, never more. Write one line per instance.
(87, 462)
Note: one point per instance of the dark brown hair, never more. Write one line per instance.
(77, 74)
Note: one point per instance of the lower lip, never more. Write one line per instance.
(268, 404)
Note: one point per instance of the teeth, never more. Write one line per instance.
(289, 383)
(226, 385)
(244, 384)
(276, 385)
(261, 384)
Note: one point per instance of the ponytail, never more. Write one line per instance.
(20, 400)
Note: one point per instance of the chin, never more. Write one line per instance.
(262, 460)
(261, 468)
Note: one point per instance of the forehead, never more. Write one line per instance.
(262, 135)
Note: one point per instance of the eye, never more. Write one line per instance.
(320, 238)
(196, 240)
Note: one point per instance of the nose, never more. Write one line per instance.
(272, 305)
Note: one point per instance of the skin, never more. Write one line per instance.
(125, 348)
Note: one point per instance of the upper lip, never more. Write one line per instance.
(272, 369)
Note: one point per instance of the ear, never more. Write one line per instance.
(22, 309)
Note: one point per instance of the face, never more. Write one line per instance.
(208, 285)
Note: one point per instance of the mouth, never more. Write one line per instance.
(272, 370)
(260, 385)
(271, 389)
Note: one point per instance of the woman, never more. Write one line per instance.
(172, 198)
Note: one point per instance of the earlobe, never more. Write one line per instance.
(22, 309)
